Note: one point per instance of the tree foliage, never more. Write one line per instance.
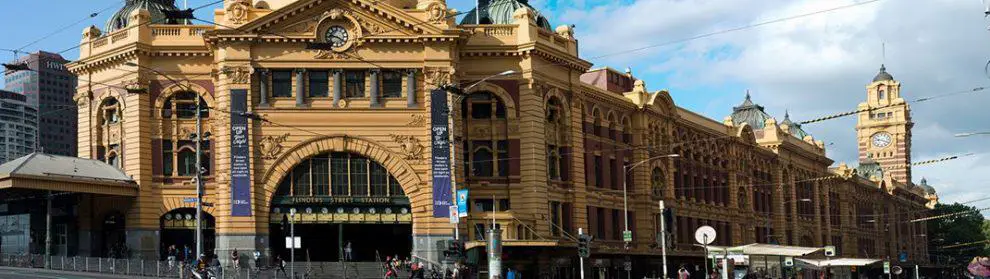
(947, 235)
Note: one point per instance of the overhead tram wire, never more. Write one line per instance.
(60, 30)
(919, 100)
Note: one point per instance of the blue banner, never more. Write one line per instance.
(240, 159)
(462, 202)
(439, 116)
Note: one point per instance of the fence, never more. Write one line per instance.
(165, 269)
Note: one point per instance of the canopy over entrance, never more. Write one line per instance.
(764, 250)
(39, 171)
(839, 262)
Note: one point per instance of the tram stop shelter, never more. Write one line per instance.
(42, 194)
(756, 257)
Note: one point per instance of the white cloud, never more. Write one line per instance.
(819, 65)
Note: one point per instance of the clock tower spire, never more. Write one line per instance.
(884, 133)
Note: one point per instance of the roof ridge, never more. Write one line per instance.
(24, 162)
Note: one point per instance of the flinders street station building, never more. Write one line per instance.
(358, 120)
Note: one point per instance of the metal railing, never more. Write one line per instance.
(177, 269)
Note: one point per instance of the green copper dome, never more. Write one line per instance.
(500, 12)
(795, 127)
(750, 113)
(157, 9)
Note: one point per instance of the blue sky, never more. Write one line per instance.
(812, 66)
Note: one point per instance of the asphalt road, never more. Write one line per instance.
(22, 273)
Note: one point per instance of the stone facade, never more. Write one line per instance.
(547, 144)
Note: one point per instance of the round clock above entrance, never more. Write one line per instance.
(340, 29)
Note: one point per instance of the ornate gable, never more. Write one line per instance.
(303, 19)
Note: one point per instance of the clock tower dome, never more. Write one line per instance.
(884, 133)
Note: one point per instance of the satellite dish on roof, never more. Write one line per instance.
(705, 235)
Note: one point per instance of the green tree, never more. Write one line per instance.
(958, 237)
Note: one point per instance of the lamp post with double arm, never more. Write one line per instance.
(626, 234)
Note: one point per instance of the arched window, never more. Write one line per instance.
(339, 174)
(182, 105)
(112, 159)
(880, 94)
(658, 182)
(187, 162)
(486, 140)
(180, 110)
(556, 134)
(596, 119)
(110, 111)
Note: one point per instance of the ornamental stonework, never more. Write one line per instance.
(238, 75)
(238, 10)
(410, 147)
(271, 146)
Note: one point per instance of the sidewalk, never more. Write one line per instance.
(26, 273)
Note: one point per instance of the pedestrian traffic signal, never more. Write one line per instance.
(584, 242)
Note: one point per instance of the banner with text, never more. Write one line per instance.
(439, 115)
(240, 159)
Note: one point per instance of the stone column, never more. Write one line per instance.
(411, 88)
(263, 87)
(338, 87)
(300, 88)
(374, 88)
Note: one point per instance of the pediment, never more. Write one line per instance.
(304, 19)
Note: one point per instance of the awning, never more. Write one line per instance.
(840, 262)
(764, 250)
(46, 172)
(514, 243)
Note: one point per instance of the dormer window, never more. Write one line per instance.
(880, 94)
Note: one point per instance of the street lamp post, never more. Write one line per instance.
(625, 202)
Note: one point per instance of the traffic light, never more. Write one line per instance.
(584, 242)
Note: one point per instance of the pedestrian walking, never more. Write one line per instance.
(280, 263)
(347, 252)
(683, 273)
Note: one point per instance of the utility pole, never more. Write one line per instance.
(199, 177)
(580, 257)
(663, 239)
(292, 242)
(48, 231)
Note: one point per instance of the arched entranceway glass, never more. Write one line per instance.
(341, 198)
(178, 227)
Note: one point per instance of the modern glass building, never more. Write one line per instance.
(18, 126)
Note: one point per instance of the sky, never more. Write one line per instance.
(810, 66)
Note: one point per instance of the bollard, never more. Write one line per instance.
(99, 266)
(127, 267)
(158, 269)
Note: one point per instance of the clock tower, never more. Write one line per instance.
(884, 133)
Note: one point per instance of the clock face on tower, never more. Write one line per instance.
(881, 139)
(337, 36)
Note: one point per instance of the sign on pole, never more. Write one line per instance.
(454, 215)
(627, 265)
(788, 261)
(440, 141)
(293, 243)
(462, 202)
(830, 251)
(704, 235)
(627, 236)
(886, 267)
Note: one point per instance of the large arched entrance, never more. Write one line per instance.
(178, 228)
(341, 198)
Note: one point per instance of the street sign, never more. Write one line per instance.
(788, 261)
(627, 265)
(897, 270)
(188, 200)
(886, 267)
(903, 257)
(455, 217)
(289, 242)
(830, 251)
(705, 235)
(627, 236)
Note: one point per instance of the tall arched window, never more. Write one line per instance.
(178, 156)
(486, 128)
(658, 182)
(110, 111)
(112, 159)
(556, 135)
(339, 174)
(187, 162)
(880, 94)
